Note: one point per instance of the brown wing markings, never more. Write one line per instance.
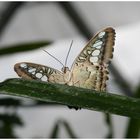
(89, 69)
(38, 72)
(97, 53)
(105, 50)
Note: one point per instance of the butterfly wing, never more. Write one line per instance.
(39, 72)
(90, 68)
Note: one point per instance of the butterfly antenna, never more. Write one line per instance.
(54, 58)
(68, 53)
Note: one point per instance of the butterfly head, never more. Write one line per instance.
(65, 69)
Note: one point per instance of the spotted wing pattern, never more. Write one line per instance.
(39, 72)
(90, 69)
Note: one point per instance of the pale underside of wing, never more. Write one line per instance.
(90, 68)
(39, 72)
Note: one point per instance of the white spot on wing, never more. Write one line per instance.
(32, 70)
(81, 58)
(101, 34)
(98, 47)
(99, 43)
(49, 70)
(43, 68)
(96, 53)
(44, 78)
(38, 75)
(23, 65)
(93, 59)
(88, 51)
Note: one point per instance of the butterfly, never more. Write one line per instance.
(89, 70)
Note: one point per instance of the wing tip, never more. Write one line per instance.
(19, 68)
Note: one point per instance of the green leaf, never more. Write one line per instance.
(73, 96)
(22, 47)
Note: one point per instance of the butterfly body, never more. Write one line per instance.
(89, 70)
